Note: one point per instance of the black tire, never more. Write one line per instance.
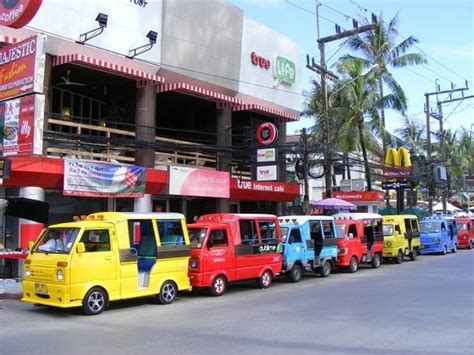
(94, 301)
(399, 258)
(265, 280)
(296, 273)
(167, 293)
(413, 254)
(325, 270)
(445, 250)
(470, 244)
(219, 285)
(376, 261)
(455, 248)
(353, 265)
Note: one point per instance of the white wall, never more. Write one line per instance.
(128, 23)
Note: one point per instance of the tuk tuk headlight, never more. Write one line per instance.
(59, 275)
(389, 244)
(27, 271)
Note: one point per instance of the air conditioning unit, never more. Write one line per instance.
(345, 185)
(358, 184)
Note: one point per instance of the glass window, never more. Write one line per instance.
(217, 238)
(388, 229)
(315, 230)
(340, 231)
(139, 229)
(196, 236)
(352, 230)
(96, 240)
(284, 233)
(170, 232)
(295, 236)
(268, 231)
(328, 229)
(57, 240)
(431, 227)
(248, 232)
(408, 225)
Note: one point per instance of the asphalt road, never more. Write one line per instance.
(421, 307)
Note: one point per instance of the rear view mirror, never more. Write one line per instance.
(210, 244)
(81, 248)
(30, 245)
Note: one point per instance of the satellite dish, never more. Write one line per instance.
(67, 80)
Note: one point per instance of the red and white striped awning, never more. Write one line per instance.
(107, 66)
(201, 92)
(8, 39)
(280, 116)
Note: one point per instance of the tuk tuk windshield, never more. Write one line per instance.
(462, 227)
(388, 230)
(196, 237)
(56, 240)
(429, 227)
(341, 231)
(284, 233)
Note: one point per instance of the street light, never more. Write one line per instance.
(371, 70)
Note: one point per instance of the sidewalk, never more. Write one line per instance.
(10, 289)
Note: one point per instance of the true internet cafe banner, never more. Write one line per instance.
(198, 182)
(89, 179)
(21, 125)
(22, 67)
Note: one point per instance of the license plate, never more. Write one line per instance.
(422, 247)
(41, 289)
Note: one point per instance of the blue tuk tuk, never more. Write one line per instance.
(309, 244)
(438, 234)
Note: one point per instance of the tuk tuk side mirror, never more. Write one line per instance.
(81, 248)
(209, 244)
(30, 245)
(350, 235)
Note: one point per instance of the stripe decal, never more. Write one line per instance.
(174, 252)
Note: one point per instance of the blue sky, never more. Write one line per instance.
(445, 30)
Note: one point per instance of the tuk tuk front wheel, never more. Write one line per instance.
(353, 265)
(94, 301)
(167, 293)
(296, 273)
(413, 254)
(325, 270)
(218, 286)
(265, 280)
(470, 244)
(399, 258)
(455, 248)
(445, 250)
(376, 261)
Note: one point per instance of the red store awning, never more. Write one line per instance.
(199, 92)
(280, 116)
(106, 66)
(263, 190)
(8, 39)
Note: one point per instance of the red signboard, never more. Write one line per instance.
(198, 182)
(359, 196)
(22, 122)
(267, 133)
(22, 67)
(263, 190)
(17, 13)
(396, 172)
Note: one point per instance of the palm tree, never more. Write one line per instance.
(412, 136)
(380, 47)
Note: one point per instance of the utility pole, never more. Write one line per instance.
(305, 158)
(325, 104)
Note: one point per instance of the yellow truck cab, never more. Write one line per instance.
(401, 237)
(108, 256)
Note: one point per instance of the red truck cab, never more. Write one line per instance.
(360, 239)
(228, 247)
(465, 232)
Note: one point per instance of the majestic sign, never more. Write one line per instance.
(89, 179)
(17, 13)
(22, 67)
(198, 182)
(397, 163)
(267, 133)
(21, 122)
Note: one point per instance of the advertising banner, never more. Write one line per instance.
(22, 67)
(267, 173)
(21, 125)
(266, 155)
(89, 179)
(263, 191)
(198, 182)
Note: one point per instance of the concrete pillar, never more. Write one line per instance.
(224, 139)
(48, 94)
(281, 164)
(145, 132)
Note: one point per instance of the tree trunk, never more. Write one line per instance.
(364, 154)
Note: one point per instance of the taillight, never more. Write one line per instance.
(342, 251)
(194, 264)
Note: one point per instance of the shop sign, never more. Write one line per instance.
(263, 190)
(285, 71)
(89, 179)
(17, 13)
(267, 133)
(198, 182)
(22, 67)
(260, 61)
(359, 196)
(266, 155)
(21, 122)
(397, 163)
(267, 173)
